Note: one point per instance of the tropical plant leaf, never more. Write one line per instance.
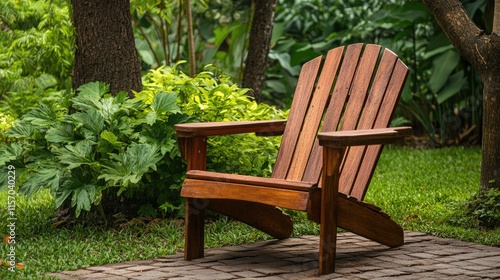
(129, 167)
(75, 155)
(43, 178)
(151, 118)
(21, 130)
(443, 66)
(454, 84)
(108, 108)
(83, 198)
(91, 120)
(10, 152)
(60, 133)
(89, 95)
(42, 116)
(110, 137)
(165, 103)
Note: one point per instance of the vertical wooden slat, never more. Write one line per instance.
(302, 96)
(314, 114)
(335, 107)
(368, 115)
(357, 95)
(383, 119)
(360, 86)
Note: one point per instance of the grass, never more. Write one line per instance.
(423, 190)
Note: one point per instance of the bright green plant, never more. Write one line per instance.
(210, 96)
(109, 142)
(36, 52)
(5, 123)
(113, 145)
(484, 208)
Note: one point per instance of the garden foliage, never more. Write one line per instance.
(442, 99)
(114, 145)
(36, 52)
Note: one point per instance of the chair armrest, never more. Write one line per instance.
(342, 139)
(268, 127)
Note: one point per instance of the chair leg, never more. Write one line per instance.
(332, 158)
(194, 227)
(327, 248)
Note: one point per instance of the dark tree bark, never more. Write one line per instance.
(483, 52)
(105, 46)
(258, 49)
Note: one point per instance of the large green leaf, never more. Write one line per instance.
(75, 155)
(89, 95)
(108, 108)
(83, 198)
(21, 130)
(43, 116)
(443, 66)
(129, 167)
(91, 120)
(453, 86)
(10, 152)
(43, 178)
(284, 60)
(61, 133)
(110, 137)
(165, 103)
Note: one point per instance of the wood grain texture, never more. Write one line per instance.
(351, 97)
(287, 198)
(225, 128)
(332, 158)
(265, 218)
(302, 96)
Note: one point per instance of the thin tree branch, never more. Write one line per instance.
(496, 18)
(150, 45)
(189, 18)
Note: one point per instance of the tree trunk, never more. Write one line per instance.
(482, 51)
(105, 46)
(258, 49)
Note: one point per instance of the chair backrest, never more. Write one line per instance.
(355, 87)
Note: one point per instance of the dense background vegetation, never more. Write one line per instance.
(82, 159)
(51, 149)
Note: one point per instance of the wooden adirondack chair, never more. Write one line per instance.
(351, 97)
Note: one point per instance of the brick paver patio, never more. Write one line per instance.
(422, 257)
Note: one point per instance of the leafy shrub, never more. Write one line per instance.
(485, 208)
(212, 97)
(109, 142)
(36, 52)
(115, 145)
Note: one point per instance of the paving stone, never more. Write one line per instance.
(140, 268)
(61, 276)
(98, 275)
(247, 274)
(79, 272)
(150, 275)
(422, 257)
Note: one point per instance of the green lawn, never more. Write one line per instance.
(424, 190)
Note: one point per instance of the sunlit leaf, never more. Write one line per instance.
(165, 103)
